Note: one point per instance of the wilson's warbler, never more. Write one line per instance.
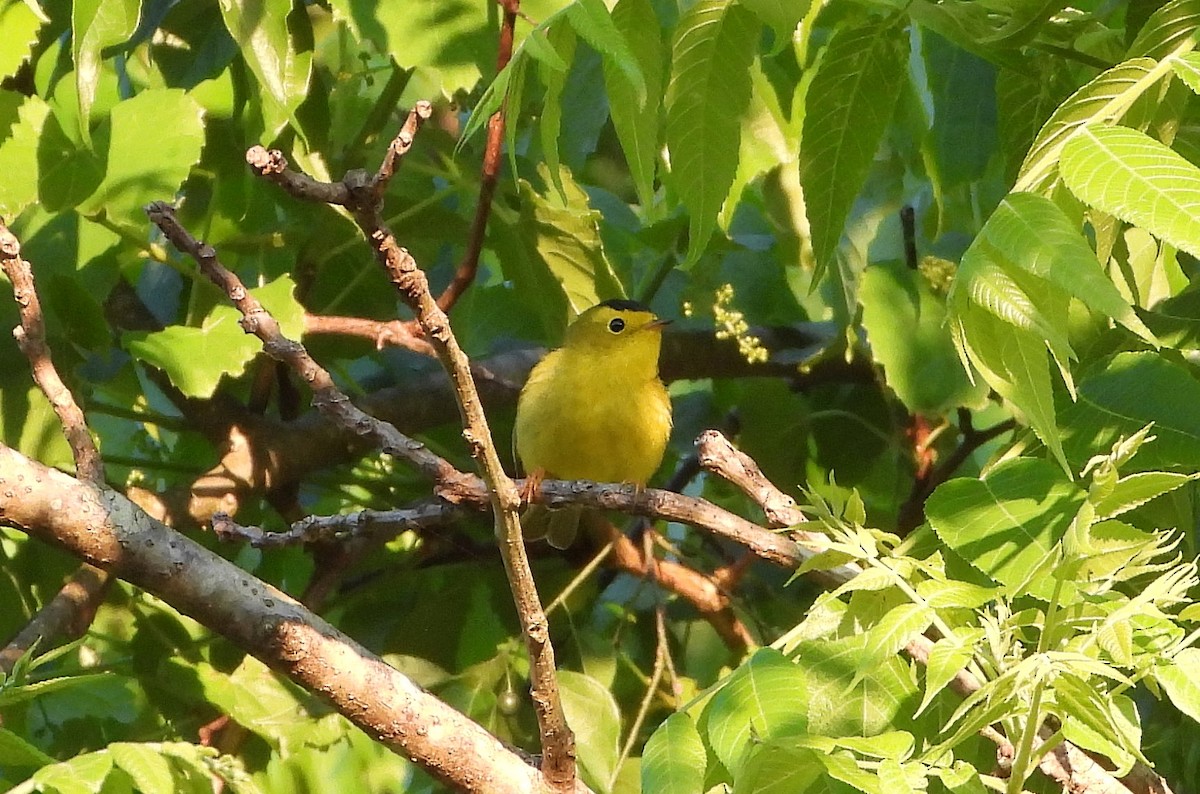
(594, 409)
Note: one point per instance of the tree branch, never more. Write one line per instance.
(110, 532)
(71, 610)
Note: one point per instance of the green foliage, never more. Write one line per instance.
(748, 160)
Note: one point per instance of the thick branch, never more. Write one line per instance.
(109, 531)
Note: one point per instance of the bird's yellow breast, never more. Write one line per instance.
(597, 414)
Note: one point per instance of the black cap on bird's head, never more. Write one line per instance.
(625, 305)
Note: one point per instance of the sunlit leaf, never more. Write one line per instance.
(673, 759)
(1134, 177)
(1007, 523)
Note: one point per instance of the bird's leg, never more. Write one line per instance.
(533, 481)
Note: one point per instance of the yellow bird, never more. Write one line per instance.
(594, 409)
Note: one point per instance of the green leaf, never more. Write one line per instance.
(946, 658)
(1022, 267)
(20, 25)
(131, 179)
(1007, 523)
(1137, 489)
(18, 752)
(906, 328)
(594, 717)
(894, 631)
(452, 40)
(560, 40)
(1187, 68)
(1026, 99)
(1169, 30)
(1030, 233)
(764, 698)
(95, 25)
(146, 765)
(1015, 363)
(637, 124)
(1178, 678)
(1133, 390)
(708, 91)
(38, 689)
(260, 28)
(963, 135)
(674, 760)
(196, 358)
(783, 16)
(785, 767)
(563, 251)
(1104, 100)
(1079, 702)
(1128, 174)
(83, 774)
(846, 111)
(592, 22)
(19, 158)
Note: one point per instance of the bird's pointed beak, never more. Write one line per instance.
(658, 325)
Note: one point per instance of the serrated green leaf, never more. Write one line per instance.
(1029, 232)
(952, 594)
(1026, 100)
(1007, 523)
(96, 25)
(131, 179)
(1080, 703)
(1015, 363)
(637, 126)
(38, 689)
(561, 40)
(452, 41)
(19, 158)
(1187, 68)
(1103, 100)
(1137, 489)
(1178, 680)
(894, 631)
(764, 698)
(20, 25)
(847, 109)
(708, 91)
(594, 717)
(674, 759)
(1134, 390)
(146, 765)
(197, 358)
(946, 658)
(595, 25)
(260, 28)
(1169, 30)
(1128, 174)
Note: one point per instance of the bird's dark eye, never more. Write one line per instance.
(616, 325)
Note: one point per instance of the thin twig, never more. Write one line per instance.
(71, 610)
(464, 274)
(380, 333)
(31, 338)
